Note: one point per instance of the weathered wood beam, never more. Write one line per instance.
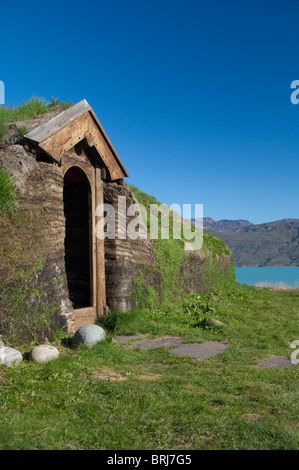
(57, 123)
(77, 124)
(100, 253)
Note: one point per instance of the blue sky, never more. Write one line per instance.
(194, 95)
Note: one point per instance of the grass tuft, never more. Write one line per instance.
(28, 110)
(8, 194)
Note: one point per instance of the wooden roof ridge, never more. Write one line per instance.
(54, 125)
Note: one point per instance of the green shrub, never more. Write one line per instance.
(198, 310)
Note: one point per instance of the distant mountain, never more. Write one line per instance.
(269, 244)
(210, 224)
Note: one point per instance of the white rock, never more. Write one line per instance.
(43, 353)
(89, 335)
(1, 343)
(10, 356)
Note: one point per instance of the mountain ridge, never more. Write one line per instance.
(268, 244)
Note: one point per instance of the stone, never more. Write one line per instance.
(20, 163)
(167, 342)
(201, 351)
(1, 344)
(89, 335)
(127, 339)
(10, 356)
(216, 322)
(276, 362)
(43, 353)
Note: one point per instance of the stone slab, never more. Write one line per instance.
(201, 351)
(276, 362)
(127, 339)
(167, 342)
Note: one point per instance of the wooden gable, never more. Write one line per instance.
(76, 124)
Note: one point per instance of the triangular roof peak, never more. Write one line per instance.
(68, 128)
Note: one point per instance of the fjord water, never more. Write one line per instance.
(289, 276)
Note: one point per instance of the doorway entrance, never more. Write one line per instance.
(78, 237)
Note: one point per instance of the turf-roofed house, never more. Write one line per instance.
(66, 168)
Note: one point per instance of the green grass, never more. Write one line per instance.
(211, 243)
(158, 400)
(8, 193)
(175, 272)
(28, 303)
(28, 110)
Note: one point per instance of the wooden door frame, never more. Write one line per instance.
(97, 254)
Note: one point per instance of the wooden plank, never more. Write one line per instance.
(100, 254)
(85, 316)
(85, 311)
(93, 241)
(57, 123)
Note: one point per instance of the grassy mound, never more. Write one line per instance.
(176, 272)
(28, 110)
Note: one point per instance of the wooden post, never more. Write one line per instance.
(100, 254)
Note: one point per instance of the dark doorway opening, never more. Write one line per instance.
(78, 260)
